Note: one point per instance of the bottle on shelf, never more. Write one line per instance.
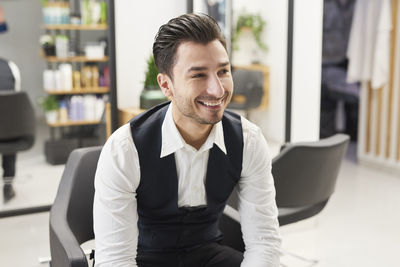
(55, 12)
(62, 111)
(66, 76)
(95, 76)
(62, 46)
(77, 80)
(93, 12)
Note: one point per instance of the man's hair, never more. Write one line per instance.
(198, 28)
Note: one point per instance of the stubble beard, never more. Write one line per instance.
(188, 111)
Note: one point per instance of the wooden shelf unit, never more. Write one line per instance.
(76, 59)
(95, 90)
(73, 123)
(98, 27)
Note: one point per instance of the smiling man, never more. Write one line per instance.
(163, 179)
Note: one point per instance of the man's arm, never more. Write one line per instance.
(115, 208)
(257, 207)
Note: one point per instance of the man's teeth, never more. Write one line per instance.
(211, 104)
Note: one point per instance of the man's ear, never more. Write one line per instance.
(165, 84)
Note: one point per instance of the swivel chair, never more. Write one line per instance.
(248, 89)
(71, 215)
(305, 177)
(17, 124)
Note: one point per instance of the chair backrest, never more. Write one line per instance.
(71, 216)
(305, 173)
(17, 117)
(248, 89)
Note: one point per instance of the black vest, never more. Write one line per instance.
(163, 226)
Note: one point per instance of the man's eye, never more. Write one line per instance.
(223, 71)
(199, 75)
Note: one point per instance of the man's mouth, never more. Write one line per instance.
(210, 103)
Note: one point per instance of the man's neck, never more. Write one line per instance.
(194, 137)
(194, 133)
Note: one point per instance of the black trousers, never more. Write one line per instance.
(9, 166)
(209, 255)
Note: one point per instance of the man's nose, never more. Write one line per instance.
(214, 87)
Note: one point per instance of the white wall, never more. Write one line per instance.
(136, 25)
(306, 83)
(21, 45)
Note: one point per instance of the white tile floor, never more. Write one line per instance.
(360, 226)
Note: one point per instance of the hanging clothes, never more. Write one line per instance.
(369, 44)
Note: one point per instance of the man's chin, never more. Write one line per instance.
(214, 120)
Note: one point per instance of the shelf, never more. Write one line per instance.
(98, 27)
(76, 59)
(73, 123)
(96, 90)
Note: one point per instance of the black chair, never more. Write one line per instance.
(17, 129)
(71, 218)
(248, 89)
(71, 215)
(305, 177)
(17, 122)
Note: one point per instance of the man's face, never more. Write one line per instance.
(202, 83)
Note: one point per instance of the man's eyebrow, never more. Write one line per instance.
(196, 68)
(201, 68)
(224, 64)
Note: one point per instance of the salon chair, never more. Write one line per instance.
(17, 128)
(17, 122)
(305, 175)
(71, 215)
(248, 89)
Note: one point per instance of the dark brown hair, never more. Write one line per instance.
(199, 28)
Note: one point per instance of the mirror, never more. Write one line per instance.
(36, 181)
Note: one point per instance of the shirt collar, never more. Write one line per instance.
(172, 140)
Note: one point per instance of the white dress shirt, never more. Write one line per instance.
(118, 175)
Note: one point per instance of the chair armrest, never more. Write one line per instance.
(65, 249)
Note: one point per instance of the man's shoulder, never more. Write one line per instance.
(149, 117)
(246, 124)
(121, 135)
